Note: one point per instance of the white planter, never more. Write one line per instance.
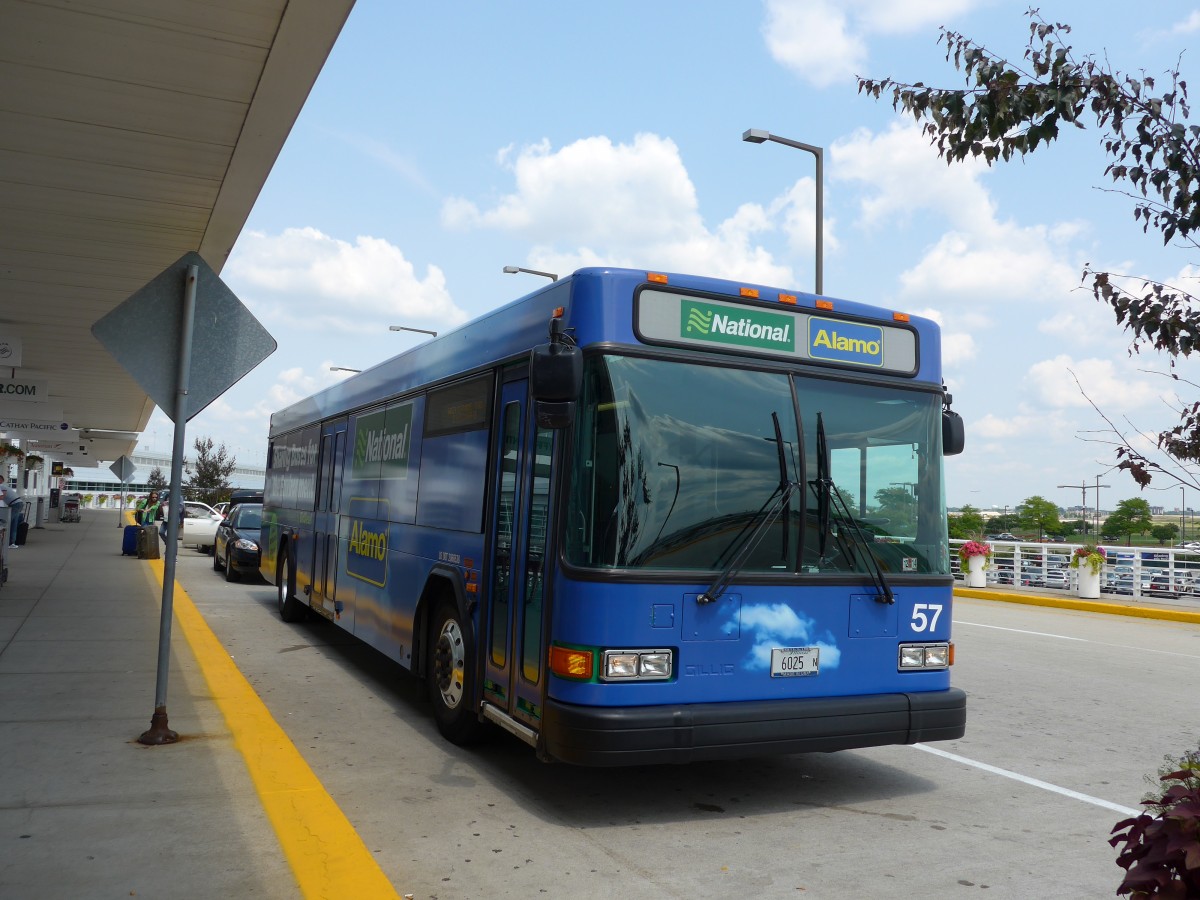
(974, 575)
(1089, 582)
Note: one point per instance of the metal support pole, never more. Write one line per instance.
(757, 136)
(159, 733)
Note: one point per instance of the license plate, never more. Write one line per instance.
(794, 662)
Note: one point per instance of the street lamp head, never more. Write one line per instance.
(756, 135)
(513, 270)
(343, 369)
(407, 328)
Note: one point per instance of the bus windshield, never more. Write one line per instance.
(676, 464)
(885, 462)
(673, 461)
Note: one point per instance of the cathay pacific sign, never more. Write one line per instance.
(845, 342)
(749, 327)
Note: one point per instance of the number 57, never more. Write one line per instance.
(925, 621)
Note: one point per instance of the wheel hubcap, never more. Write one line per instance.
(449, 663)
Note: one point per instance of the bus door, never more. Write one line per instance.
(513, 642)
(325, 519)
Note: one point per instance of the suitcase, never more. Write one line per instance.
(129, 540)
(22, 533)
(147, 542)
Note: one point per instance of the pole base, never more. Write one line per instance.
(158, 733)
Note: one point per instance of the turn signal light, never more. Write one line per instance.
(570, 662)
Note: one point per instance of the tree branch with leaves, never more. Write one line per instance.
(1009, 110)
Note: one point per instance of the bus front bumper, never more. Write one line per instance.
(641, 735)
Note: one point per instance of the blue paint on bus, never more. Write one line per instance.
(736, 546)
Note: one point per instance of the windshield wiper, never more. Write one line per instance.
(828, 498)
(762, 521)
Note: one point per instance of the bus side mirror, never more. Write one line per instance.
(954, 435)
(555, 378)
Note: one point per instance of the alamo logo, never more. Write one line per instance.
(845, 342)
(366, 551)
(739, 327)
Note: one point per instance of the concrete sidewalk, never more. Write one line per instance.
(85, 810)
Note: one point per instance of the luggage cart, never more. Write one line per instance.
(70, 510)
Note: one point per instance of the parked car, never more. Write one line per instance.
(1057, 579)
(1161, 586)
(199, 525)
(1119, 584)
(1006, 537)
(236, 549)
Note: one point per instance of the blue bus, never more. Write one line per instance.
(639, 517)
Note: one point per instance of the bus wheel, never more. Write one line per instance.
(290, 609)
(450, 679)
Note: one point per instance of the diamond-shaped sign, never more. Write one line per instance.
(143, 334)
(123, 468)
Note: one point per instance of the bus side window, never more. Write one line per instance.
(324, 477)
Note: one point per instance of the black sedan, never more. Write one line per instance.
(235, 547)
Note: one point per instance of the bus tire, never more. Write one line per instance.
(290, 608)
(451, 674)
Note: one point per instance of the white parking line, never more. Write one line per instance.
(1064, 637)
(1044, 785)
(1021, 631)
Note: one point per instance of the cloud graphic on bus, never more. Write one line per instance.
(778, 625)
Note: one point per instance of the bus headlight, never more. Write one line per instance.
(924, 656)
(637, 665)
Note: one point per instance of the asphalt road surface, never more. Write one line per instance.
(1068, 714)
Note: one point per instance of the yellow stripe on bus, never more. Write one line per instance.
(326, 854)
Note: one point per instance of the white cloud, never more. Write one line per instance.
(825, 42)
(324, 283)
(596, 202)
(813, 39)
(1190, 25)
(902, 174)
(1114, 389)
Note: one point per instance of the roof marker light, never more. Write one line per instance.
(656, 277)
(788, 298)
(752, 293)
(900, 317)
(824, 304)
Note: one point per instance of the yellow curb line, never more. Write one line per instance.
(326, 854)
(1113, 609)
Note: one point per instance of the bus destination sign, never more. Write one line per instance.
(677, 319)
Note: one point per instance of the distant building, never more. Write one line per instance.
(102, 478)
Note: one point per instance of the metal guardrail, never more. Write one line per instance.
(1128, 571)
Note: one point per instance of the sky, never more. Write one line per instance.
(444, 141)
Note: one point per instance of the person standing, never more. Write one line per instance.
(151, 511)
(16, 513)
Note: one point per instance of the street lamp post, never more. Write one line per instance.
(1098, 486)
(417, 330)
(1083, 486)
(513, 270)
(758, 136)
